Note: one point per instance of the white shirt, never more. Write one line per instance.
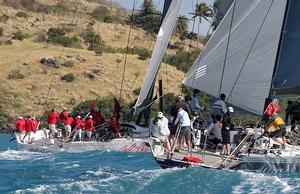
(162, 123)
(183, 118)
(220, 104)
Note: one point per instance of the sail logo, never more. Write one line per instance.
(201, 71)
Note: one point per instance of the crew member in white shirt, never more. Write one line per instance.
(185, 132)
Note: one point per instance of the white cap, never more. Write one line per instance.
(65, 109)
(230, 109)
(78, 116)
(33, 118)
(160, 115)
(20, 117)
(90, 116)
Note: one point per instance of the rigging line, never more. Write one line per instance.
(227, 47)
(254, 41)
(127, 47)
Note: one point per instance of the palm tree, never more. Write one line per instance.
(147, 8)
(203, 11)
(182, 25)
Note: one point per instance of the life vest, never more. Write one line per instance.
(277, 122)
(271, 109)
(193, 159)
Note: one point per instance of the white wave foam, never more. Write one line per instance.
(20, 155)
(258, 182)
(142, 177)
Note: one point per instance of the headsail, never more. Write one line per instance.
(162, 40)
(249, 51)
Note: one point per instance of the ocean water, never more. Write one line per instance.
(128, 173)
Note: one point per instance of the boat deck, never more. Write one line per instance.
(208, 159)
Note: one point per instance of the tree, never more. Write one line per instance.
(203, 11)
(147, 8)
(182, 25)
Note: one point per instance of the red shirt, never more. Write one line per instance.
(52, 117)
(113, 123)
(78, 124)
(89, 125)
(69, 121)
(34, 125)
(63, 116)
(28, 126)
(97, 117)
(20, 125)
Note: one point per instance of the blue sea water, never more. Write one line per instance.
(113, 172)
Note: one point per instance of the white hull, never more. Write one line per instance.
(40, 143)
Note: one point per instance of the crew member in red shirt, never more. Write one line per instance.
(34, 124)
(78, 127)
(64, 115)
(20, 127)
(114, 125)
(68, 122)
(52, 119)
(28, 128)
(89, 126)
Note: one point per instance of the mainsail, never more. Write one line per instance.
(162, 40)
(286, 78)
(239, 58)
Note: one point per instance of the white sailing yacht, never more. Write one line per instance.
(252, 54)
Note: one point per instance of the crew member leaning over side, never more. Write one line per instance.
(278, 135)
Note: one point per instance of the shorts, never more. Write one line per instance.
(52, 128)
(68, 128)
(278, 133)
(185, 132)
(225, 136)
(89, 133)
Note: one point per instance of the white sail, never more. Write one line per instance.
(251, 55)
(162, 40)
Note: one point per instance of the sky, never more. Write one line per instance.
(186, 8)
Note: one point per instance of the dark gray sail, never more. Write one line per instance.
(239, 58)
(286, 79)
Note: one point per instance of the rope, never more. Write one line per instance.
(250, 50)
(127, 47)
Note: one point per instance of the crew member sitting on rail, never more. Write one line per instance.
(34, 128)
(279, 129)
(52, 119)
(20, 127)
(89, 126)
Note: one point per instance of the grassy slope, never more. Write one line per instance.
(28, 96)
